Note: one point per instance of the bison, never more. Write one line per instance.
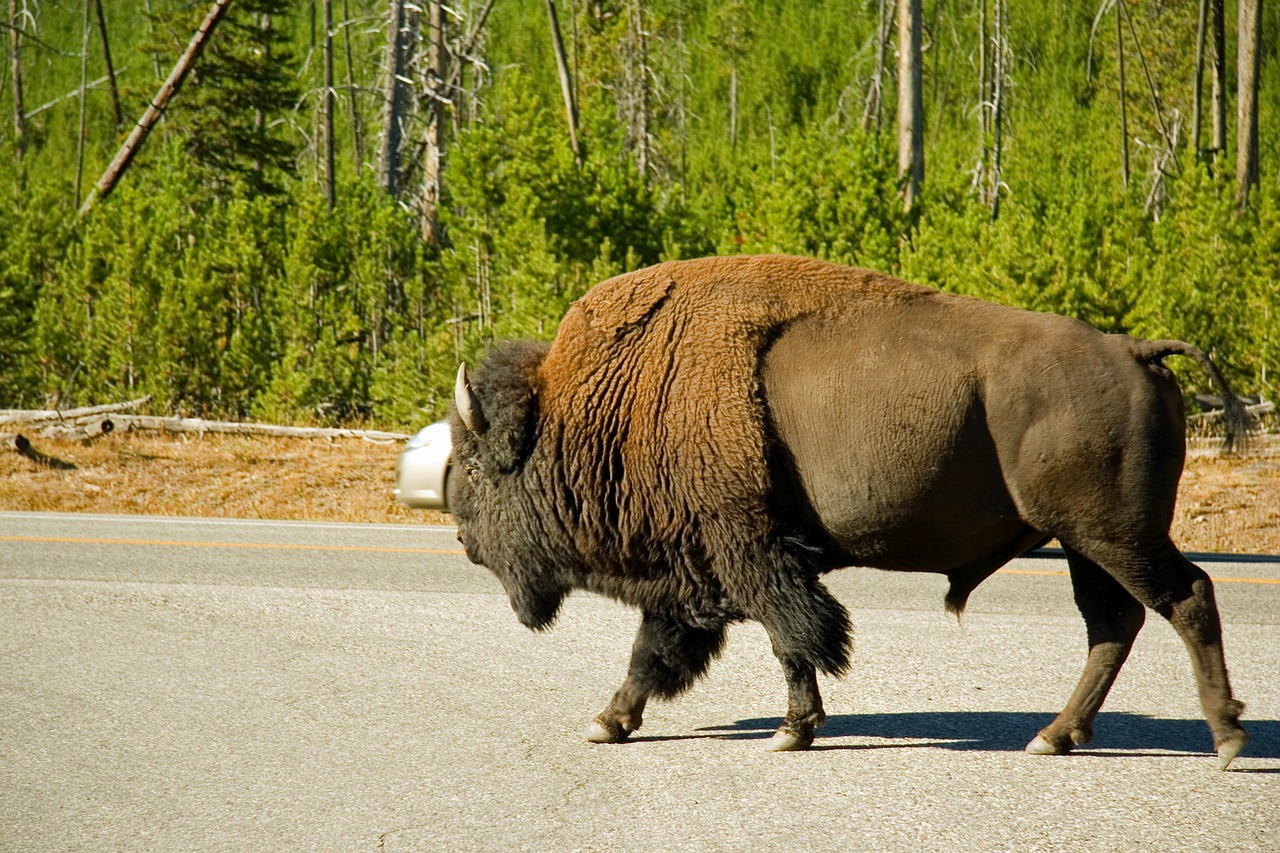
(705, 439)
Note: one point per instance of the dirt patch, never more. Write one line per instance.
(1225, 504)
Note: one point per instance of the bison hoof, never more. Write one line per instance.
(601, 731)
(1040, 745)
(788, 741)
(1229, 750)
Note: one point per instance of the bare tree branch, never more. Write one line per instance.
(566, 82)
(156, 108)
(111, 71)
(910, 103)
(1248, 58)
(15, 46)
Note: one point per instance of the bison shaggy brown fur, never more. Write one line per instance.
(705, 439)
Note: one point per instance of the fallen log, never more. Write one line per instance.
(200, 425)
(35, 416)
(1263, 407)
(1258, 446)
(82, 430)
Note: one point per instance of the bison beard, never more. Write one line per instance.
(704, 439)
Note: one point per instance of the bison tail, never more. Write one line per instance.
(1237, 417)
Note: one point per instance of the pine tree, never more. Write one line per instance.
(233, 114)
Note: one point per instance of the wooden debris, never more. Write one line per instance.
(91, 422)
(199, 425)
(33, 416)
(82, 430)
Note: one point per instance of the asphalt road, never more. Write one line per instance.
(217, 685)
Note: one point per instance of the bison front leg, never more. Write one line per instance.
(667, 658)
(804, 709)
(810, 632)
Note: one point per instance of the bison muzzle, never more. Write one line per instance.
(705, 439)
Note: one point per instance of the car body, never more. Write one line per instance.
(422, 469)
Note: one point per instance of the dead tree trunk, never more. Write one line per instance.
(1248, 54)
(393, 105)
(330, 184)
(1197, 93)
(259, 114)
(111, 70)
(566, 81)
(167, 90)
(999, 72)
(151, 31)
(873, 108)
(910, 104)
(1219, 91)
(435, 124)
(1166, 133)
(19, 121)
(84, 97)
(633, 93)
(991, 69)
(463, 56)
(639, 124)
(15, 47)
(357, 130)
(445, 85)
(985, 62)
(1124, 113)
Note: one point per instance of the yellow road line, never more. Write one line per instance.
(1064, 574)
(274, 546)
(260, 545)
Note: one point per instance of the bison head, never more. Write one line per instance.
(500, 496)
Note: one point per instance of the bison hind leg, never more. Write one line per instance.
(1113, 584)
(1187, 600)
(1112, 619)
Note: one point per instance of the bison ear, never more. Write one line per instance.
(501, 409)
(468, 404)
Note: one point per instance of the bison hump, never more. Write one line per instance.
(625, 304)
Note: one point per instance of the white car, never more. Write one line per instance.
(422, 470)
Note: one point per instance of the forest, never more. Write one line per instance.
(309, 212)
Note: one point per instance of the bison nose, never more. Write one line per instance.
(469, 547)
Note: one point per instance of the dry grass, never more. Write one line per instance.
(1230, 504)
(1225, 504)
(217, 476)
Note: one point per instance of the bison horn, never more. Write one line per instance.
(468, 406)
